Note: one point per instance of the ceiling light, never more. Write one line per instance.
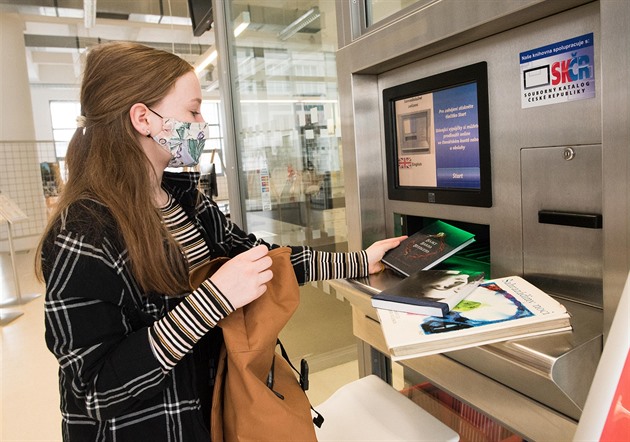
(309, 17)
(68, 13)
(240, 24)
(206, 58)
(145, 18)
(171, 20)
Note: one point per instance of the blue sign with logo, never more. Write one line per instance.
(559, 72)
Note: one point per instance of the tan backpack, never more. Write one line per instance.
(257, 395)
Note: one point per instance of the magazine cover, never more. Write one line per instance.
(497, 310)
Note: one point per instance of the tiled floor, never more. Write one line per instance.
(29, 410)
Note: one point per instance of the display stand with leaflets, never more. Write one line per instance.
(11, 213)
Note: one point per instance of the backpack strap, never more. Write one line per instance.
(303, 374)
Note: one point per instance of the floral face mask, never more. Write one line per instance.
(183, 140)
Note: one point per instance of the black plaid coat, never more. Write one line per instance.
(112, 387)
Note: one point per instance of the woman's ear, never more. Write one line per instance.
(139, 119)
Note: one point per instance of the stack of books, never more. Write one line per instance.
(430, 311)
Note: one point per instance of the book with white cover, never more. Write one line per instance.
(498, 310)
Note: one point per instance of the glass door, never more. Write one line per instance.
(287, 121)
(283, 137)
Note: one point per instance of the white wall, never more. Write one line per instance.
(41, 96)
(20, 177)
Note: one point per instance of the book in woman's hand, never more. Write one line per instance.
(428, 292)
(428, 247)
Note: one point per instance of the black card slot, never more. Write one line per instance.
(573, 219)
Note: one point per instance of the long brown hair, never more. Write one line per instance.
(106, 163)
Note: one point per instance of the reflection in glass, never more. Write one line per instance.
(288, 139)
(377, 10)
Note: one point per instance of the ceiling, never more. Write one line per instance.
(55, 32)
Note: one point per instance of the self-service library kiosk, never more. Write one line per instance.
(510, 121)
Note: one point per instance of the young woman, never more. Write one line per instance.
(135, 345)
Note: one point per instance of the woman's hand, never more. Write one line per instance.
(243, 278)
(376, 251)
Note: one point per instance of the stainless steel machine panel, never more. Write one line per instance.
(562, 225)
(559, 174)
(556, 370)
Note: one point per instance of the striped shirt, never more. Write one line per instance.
(174, 336)
(190, 240)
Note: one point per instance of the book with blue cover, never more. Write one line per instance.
(428, 292)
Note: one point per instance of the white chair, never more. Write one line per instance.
(369, 409)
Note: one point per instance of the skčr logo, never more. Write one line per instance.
(570, 70)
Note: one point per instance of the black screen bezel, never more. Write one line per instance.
(482, 197)
(201, 16)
